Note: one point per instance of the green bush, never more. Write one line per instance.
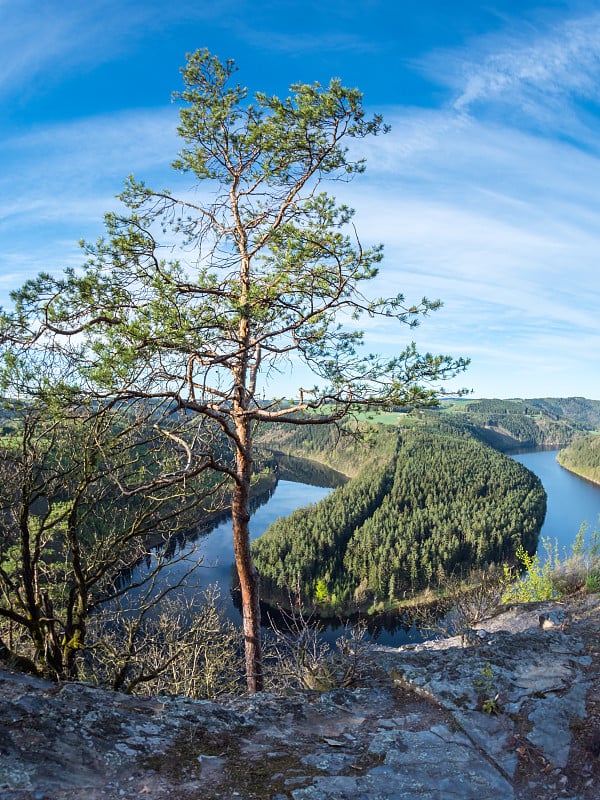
(537, 581)
(556, 576)
(592, 583)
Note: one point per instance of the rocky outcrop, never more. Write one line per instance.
(512, 711)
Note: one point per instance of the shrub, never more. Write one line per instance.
(462, 605)
(537, 581)
(299, 658)
(556, 576)
(592, 583)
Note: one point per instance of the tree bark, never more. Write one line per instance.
(247, 572)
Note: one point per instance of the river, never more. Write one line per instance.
(571, 501)
(213, 551)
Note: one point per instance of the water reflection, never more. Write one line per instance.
(210, 555)
(386, 628)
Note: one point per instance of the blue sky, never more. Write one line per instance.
(486, 193)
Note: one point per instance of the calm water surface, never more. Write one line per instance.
(211, 557)
(571, 501)
(211, 554)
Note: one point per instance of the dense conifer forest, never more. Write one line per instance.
(416, 499)
(583, 458)
(429, 500)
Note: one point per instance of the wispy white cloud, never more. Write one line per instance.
(63, 170)
(37, 39)
(57, 182)
(536, 70)
(308, 43)
(503, 223)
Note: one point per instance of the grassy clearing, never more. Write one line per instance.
(396, 418)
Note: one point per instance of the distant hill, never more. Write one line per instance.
(537, 422)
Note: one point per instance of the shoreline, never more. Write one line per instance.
(581, 475)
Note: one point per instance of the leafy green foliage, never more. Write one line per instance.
(537, 582)
(582, 566)
(488, 696)
(592, 583)
(321, 592)
(276, 267)
(194, 301)
(555, 575)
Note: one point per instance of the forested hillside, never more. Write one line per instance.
(583, 458)
(580, 410)
(344, 450)
(508, 424)
(440, 502)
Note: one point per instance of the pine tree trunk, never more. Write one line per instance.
(247, 572)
